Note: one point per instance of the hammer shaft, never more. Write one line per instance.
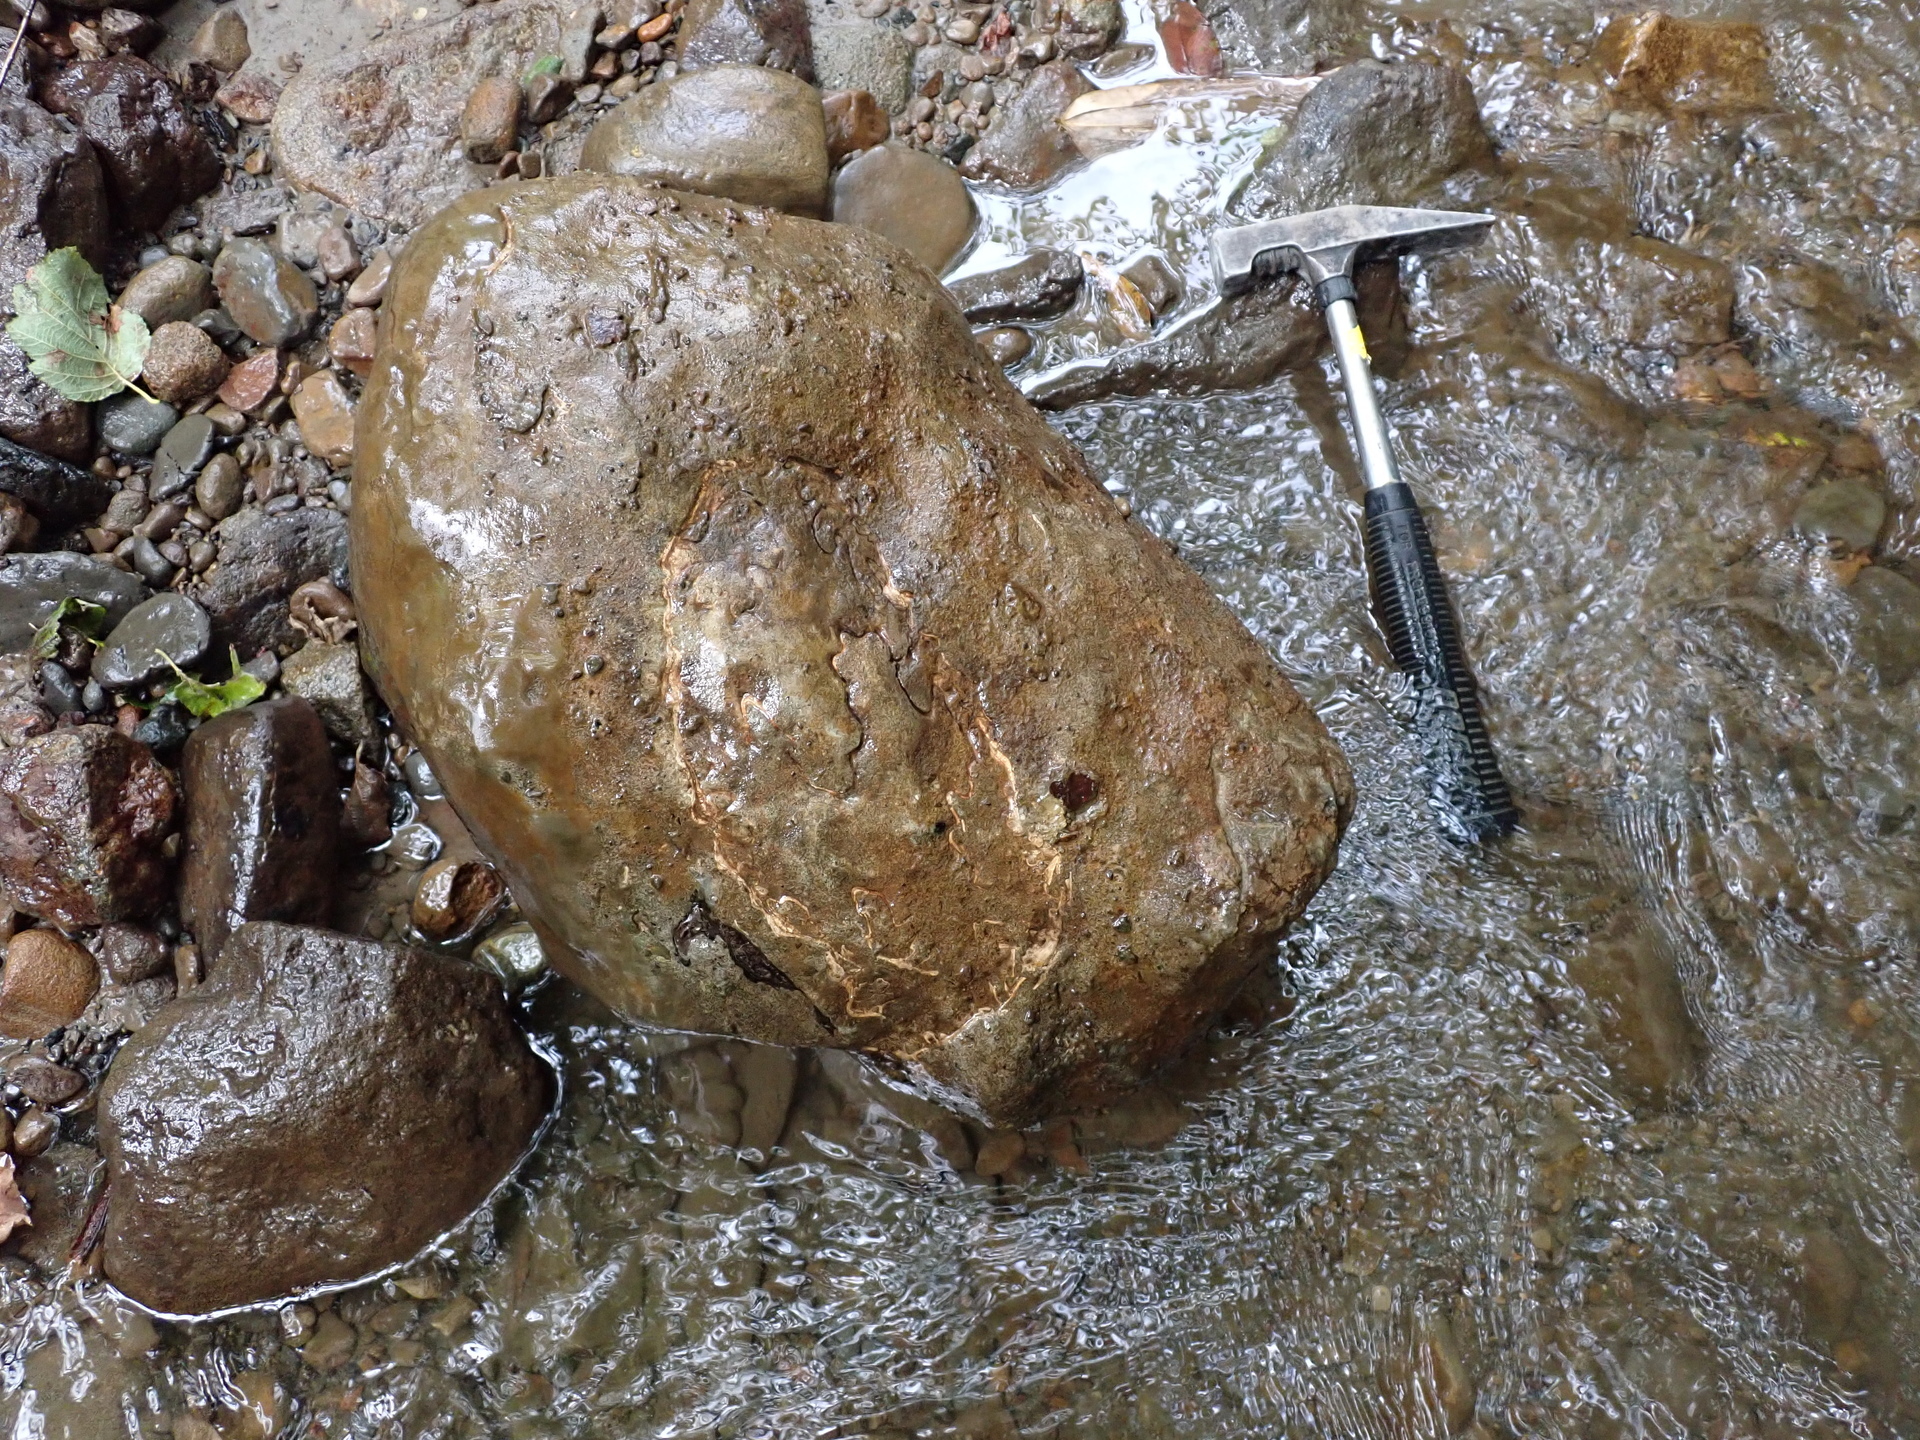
(1370, 431)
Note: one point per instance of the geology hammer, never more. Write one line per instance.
(1409, 594)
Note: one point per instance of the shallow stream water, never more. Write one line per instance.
(1610, 1131)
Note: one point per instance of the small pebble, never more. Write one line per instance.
(34, 1132)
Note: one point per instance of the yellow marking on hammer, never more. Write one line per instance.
(1361, 341)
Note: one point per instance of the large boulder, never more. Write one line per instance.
(52, 195)
(378, 128)
(320, 1108)
(803, 683)
(153, 152)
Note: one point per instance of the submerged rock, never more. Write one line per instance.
(376, 1097)
(1037, 286)
(802, 683)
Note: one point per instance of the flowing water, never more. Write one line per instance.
(1611, 1130)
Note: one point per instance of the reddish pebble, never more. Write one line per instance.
(855, 121)
(252, 382)
(249, 98)
(1191, 46)
(351, 341)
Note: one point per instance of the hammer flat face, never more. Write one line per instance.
(1328, 240)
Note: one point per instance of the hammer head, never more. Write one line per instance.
(1324, 243)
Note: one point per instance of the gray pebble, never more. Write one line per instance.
(180, 456)
(133, 426)
(168, 625)
(59, 691)
(220, 487)
(93, 697)
(421, 779)
(149, 563)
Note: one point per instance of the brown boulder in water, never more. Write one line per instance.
(804, 685)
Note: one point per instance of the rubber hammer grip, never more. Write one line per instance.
(1411, 603)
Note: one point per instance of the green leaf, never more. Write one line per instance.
(82, 615)
(197, 697)
(545, 65)
(65, 323)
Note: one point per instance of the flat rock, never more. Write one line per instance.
(32, 585)
(378, 129)
(1037, 286)
(1026, 146)
(169, 626)
(57, 492)
(864, 55)
(771, 33)
(999, 717)
(264, 559)
(153, 153)
(380, 1095)
(916, 200)
(84, 814)
(748, 134)
(263, 821)
(180, 456)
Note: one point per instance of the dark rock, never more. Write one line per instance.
(380, 1096)
(753, 135)
(125, 30)
(34, 414)
(1154, 279)
(263, 559)
(58, 493)
(773, 33)
(181, 454)
(368, 818)
(31, 586)
(130, 424)
(379, 128)
(970, 555)
(169, 626)
(270, 298)
(1035, 287)
(154, 155)
(916, 200)
(58, 1183)
(59, 691)
(1372, 134)
(149, 564)
(175, 288)
(84, 816)
(263, 821)
(130, 954)
(52, 194)
(164, 729)
(41, 1080)
(1027, 147)
(47, 983)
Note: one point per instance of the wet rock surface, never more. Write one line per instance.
(263, 560)
(916, 200)
(32, 587)
(84, 819)
(167, 630)
(749, 134)
(383, 1094)
(48, 982)
(152, 151)
(262, 821)
(771, 33)
(1026, 146)
(914, 766)
(378, 129)
(175, 288)
(269, 297)
(55, 491)
(1038, 286)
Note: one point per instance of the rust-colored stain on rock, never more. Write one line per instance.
(804, 685)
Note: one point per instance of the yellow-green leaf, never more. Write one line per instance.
(63, 320)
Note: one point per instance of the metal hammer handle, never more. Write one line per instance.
(1411, 604)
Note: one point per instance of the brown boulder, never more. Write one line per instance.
(320, 1108)
(263, 821)
(84, 817)
(1027, 146)
(801, 681)
(154, 154)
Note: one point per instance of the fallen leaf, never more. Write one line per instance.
(206, 701)
(13, 1205)
(1191, 46)
(76, 341)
